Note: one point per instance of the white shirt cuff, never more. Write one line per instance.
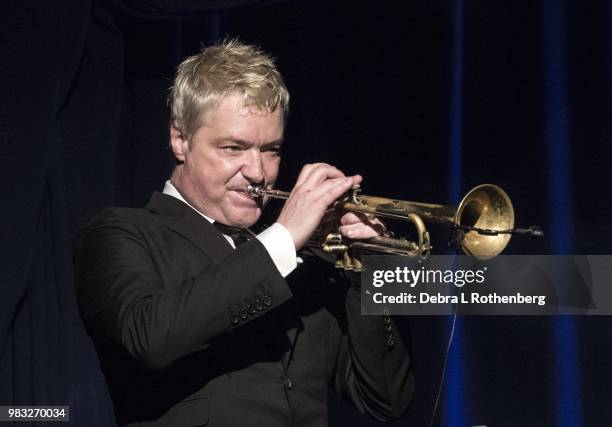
(278, 242)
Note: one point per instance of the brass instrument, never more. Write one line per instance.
(484, 218)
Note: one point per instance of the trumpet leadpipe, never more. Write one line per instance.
(256, 192)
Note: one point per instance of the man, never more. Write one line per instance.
(192, 329)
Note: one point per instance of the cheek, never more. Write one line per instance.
(271, 168)
(212, 181)
(220, 171)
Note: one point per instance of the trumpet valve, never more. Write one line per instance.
(333, 244)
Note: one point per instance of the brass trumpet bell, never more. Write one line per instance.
(486, 207)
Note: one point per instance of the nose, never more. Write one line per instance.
(253, 169)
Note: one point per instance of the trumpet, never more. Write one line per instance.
(484, 220)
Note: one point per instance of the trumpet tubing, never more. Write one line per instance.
(486, 206)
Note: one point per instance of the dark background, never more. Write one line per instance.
(425, 100)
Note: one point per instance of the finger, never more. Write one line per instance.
(361, 230)
(320, 201)
(354, 217)
(318, 174)
(379, 226)
(314, 168)
(331, 190)
(306, 170)
(351, 218)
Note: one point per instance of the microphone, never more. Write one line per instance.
(533, 231)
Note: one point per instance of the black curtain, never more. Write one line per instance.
(84, 125)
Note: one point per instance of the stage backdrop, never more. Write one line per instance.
(425, 100)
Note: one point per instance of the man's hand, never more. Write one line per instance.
(361, 226)
(318, 186)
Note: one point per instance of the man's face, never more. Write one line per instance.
(236, 147)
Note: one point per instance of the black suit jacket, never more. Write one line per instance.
(192, 332)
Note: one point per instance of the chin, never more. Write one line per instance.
(244, 217)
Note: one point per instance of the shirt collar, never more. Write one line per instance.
(171, 190)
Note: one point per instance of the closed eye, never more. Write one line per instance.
(232, 148)
(273, 150)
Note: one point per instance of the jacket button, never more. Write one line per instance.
(251, 308)
(244, 314)
(267, 300)
(234, 319)
(390, 341)
(258, 305)
(288, 383)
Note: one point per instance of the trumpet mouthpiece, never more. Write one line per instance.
(254, 191)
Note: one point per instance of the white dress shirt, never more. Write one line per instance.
(276, 239)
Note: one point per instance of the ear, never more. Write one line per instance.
(178, 143)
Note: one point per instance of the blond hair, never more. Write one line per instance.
(223, 69)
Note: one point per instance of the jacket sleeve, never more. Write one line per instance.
(373, 365)
(124, 299)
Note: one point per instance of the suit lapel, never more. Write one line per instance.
(185, 221)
